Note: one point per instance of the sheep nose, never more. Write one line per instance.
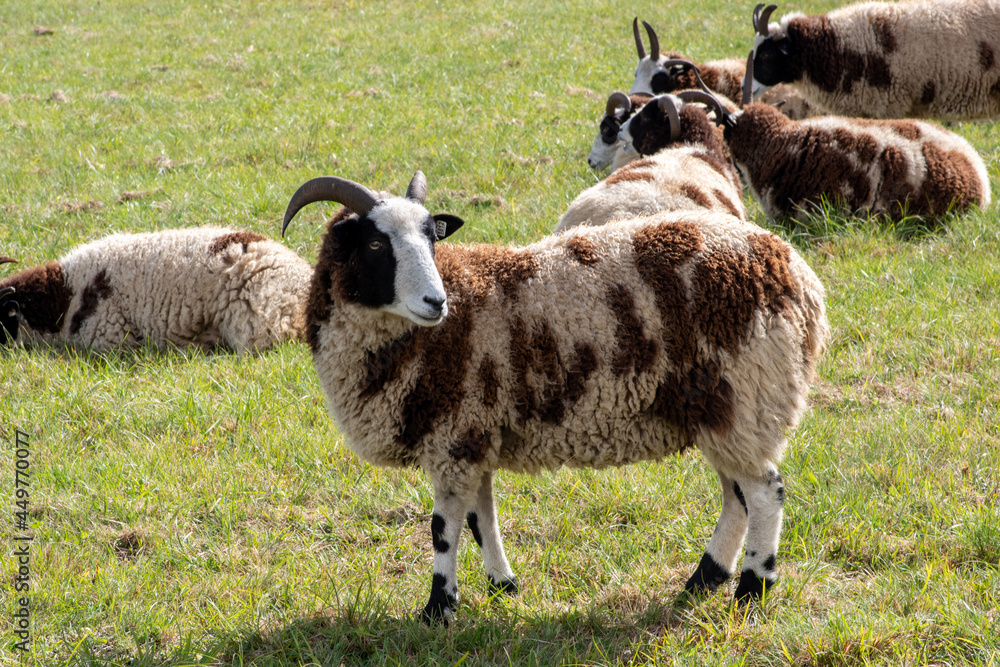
(436, 304)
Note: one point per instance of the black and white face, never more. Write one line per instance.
(385, 260)
(607, 144)
(9, 317)
(772, 63)
(648, 131)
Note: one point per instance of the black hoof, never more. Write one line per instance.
(433, 615)
(752, 587)
(708, 577)
(505, 586)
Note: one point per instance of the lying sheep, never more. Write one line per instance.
(607, 148)
(598, 347)
(658, 74)
(694, 172)
(922, 59)
(891, 167)
(203, 287)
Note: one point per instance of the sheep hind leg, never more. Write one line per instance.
(719, 560)
(446, 529)
(764, 498)
(486, 531)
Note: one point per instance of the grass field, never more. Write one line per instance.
(201, 509)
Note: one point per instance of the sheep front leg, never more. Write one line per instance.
(719, 560)
(764, 498)
(486, 531)
(446, 528)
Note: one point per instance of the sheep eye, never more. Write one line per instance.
(375, 245)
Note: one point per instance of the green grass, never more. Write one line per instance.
(193, 509)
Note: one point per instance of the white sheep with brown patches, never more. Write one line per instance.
(207, 287)
(661, 73)
(689, 169)
(935, 59)
(890, 167)
(597, 347)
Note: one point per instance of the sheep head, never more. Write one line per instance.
(607, 145)
(773, 53)
(382, 255)
(9, 310)
(656, 73)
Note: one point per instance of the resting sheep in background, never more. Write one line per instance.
(593, 348)
(891, 167)
(203, 286)
(656, 74)
(688, 168)
(607, 148)
(923, 59)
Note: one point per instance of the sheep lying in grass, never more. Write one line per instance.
(687, 168)
(891, 167)
(658, 74)
(607, 149)
(593, 348)
(203, 287)
(921, 59)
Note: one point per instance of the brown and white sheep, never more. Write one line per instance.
(203, 286)
(689, 168)
(891, 167)
(598, 347)
(935, 59)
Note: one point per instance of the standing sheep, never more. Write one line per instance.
(598, 347)
(891, 167)
(688, 168)
(204, 286)
(922, 59)
(657, 74)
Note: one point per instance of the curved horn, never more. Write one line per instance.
(6, 291)
(616, 100)
(417, 190)
(638, 40)
(746, 96)
(667, 106)
(654, 43)
(760, 24)
(7, 260)
(353, 195)
(707, 99)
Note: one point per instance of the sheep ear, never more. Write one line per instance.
(446, 225)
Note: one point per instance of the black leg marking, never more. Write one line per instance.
(751, 587)
(709, 576)
(474, 527)
(441, 601)
(437, 534)
(775, 478)
(739, 496)
(506, 586)
(770, 563)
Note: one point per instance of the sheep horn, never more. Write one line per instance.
(417, 190)
(7, 260)
(746, 96)
(353, 195)
(638, 40)
(616, 100)
(706, 98)
(6, 291)
(654, 43)
(761, 19)
(667, 106)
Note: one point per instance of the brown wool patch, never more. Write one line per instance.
(582, 365)
(726, 203)
(986, 56)
(487, 377)
(635, 352)
(717, 164)
(696, 399)
(539, 386)
(884, 33)
(583, 250)
(951, 182)
(660, 250)
(907, 129)
(42, 295)
(696, 194)
(98, 290)
(482, 268)
(819, 47)
(225, 240)
(471, 447)
(696, 128)
(384, 365)
(626, 174)
(721, 81)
